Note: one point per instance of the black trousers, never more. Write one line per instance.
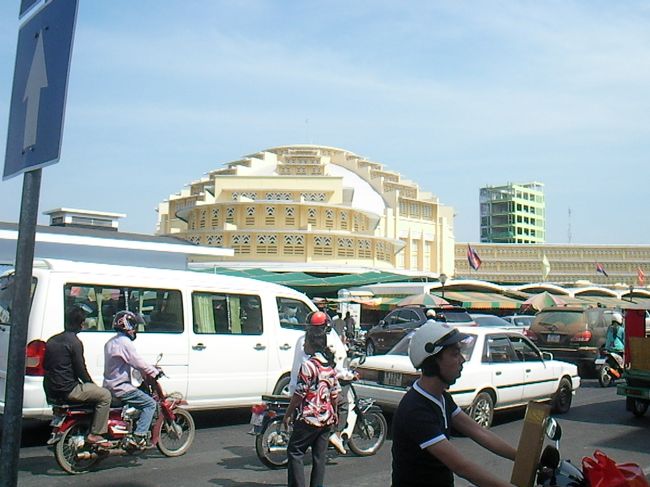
(302, 437)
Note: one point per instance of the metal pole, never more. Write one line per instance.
(13, 413)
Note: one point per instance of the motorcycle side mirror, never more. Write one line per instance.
(159, 358)
(553, 430)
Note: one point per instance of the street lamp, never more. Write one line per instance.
(443, 278)
(631, 291)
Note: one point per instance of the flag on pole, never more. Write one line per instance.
(640, 276)
(601, 269)
(546, 267)
(473, 258)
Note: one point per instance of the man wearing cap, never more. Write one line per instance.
(422, 452)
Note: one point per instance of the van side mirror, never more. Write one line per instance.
(382, 323)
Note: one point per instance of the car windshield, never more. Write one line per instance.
(455, 316)
(490, 321)
(402, 347)
(559, 317)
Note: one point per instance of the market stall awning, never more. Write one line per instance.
(481, 300)
(608, 301)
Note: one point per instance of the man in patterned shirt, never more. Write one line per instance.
(314, 400)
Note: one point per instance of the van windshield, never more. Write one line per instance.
(7, 295)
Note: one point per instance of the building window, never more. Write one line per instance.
(215, 240)
(344, 247)
(317, 197)
(269, 218)
(289, 215)
(344, 220)
(215, 217)
(195, 239)
(311, 216)
(356, 224)
(323, 246)
(283, 196)
(203, 218)
(267, 244)
(294, 244)
(329, 218)
(250, 216)
(363, 249)
(241, 244)
(230, 214)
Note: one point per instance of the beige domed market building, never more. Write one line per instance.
(314, 208)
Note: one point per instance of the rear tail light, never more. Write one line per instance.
(35, 355)
(259, 408)
(531, 335)
(583, 336)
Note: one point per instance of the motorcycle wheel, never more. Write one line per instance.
(369, 434)
(176, 436)
(66, 450)
(271, 444)
(604, 378)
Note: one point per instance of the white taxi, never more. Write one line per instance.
(503, 370)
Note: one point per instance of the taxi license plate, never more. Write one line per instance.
(392, 378)
(553, 338)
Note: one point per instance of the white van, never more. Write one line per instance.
(225, 340)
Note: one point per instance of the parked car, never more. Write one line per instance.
(573, 334)
(494, 321)
(521, 321)
(381, 338)
(503, 370)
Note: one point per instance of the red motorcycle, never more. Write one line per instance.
(172, 430)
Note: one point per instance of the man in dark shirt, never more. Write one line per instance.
(66, 376)
(422, 453)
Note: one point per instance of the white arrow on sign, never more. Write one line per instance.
(36, 81)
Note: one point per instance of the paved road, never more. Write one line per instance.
(224, 455)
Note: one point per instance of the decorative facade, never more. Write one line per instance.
(567, 263)
(314, 204)
(514, 213)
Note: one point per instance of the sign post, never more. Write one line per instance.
(33, 141)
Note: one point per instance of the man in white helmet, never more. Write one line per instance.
(422, 452)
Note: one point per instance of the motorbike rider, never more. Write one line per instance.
(120, 357)
(422, 453)
(67, 379)
(615, 338)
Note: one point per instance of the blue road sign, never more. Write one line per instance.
(39, 90)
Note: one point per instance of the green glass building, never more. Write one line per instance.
(514, 213)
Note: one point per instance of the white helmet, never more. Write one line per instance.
(617, 318)
(430, 339)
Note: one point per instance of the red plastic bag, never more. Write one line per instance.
(602, 471)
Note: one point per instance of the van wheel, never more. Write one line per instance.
(282, 387)
(637, 406)
(562, 400)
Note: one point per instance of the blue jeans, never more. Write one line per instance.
(147, 407)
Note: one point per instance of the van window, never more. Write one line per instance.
(7, 296)
(162, 309)
(227, 314)
(292, 312)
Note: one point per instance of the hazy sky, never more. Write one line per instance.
(453, 95)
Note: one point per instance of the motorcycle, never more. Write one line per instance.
(609, 367)
(552, 470)
(172, 430)
(364, 433)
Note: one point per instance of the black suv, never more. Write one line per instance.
(381, 338)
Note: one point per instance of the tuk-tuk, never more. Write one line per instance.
(636, 387)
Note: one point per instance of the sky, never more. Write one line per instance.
(453, 95)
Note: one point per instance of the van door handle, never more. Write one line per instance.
(259, 346)
(198, 346)
(528, 371)
(286, 346)
(498, 372)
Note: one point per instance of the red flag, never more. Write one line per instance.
(640, 276)
(473, 258)
(601, 269)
